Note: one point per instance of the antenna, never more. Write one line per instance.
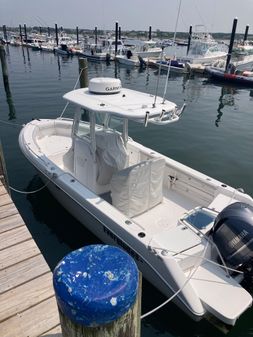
(174, 39)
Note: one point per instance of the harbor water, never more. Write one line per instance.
(214, 136)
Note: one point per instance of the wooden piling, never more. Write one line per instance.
(150, 33)
(40, 29)
(20, 34)
(3, 171)
(96, 35)
(246, 33)
(4, 69)
(56, 34)
(25, 33)
(189, 40)
(48, 31)
(77, 35)
(98, 292)
(83, 71)
(116, 37)
(230, 48)
(5, 32)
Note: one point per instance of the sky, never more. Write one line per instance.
(215, 15)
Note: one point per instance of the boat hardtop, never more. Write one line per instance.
(125, 103)
(190, 234)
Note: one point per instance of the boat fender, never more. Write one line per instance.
(104, 85)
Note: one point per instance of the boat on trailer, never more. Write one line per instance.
(190, 234)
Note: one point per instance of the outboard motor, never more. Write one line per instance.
(233, 235)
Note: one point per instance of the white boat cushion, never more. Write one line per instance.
(114, 151)
(111, 155)
(139, 187)
(104, 171)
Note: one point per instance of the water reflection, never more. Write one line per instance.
(26, 55)
(59, 66)
(226, 99)
(12, 111)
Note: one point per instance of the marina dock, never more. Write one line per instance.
(28, 305)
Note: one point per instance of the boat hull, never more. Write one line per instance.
(234, 79)
(83, 205)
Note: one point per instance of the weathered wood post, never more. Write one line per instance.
(20, 34)
(56, 34)
(25, 33)
(150, 33)
(119, 32)
(5, 33)
(246, 33)
(3, 170)
(230, 48)
(4, 69)
(116, 37)
(83, 71)
(96, 36)
(189, 40)
(77, 35)
(96, 290)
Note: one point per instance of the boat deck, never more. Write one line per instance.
(160, 217)
(28, 305)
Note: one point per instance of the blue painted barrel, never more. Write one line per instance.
(95, 285)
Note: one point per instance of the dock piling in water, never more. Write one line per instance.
(5, 32)
(4, 69)
(97, 293)
(230, 48)
(119, 32)
(189, 40)
(25, 33)
(20, 34)
(56, 34)
(96, 35)
(77, 35)
(83, 71)
(246, 33)
(150, 33)
(116, 37)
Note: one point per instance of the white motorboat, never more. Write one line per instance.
(243, 48)
(190, 234)
(204, 49)
(94, 52)
(169, 65)
(127, 60)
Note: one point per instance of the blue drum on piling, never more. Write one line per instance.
(95, 285)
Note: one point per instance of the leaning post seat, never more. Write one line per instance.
(111, 155)
(138, 188)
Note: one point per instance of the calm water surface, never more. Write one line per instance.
(214, 136)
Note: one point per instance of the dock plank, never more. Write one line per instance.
(32, 322)
(11, 222)
(22, 272)
(26, 296)
(5, 199)
(14, 237)
(8, 210)
(18, 253)
(2, 189)
(28, 306)
(55, 332)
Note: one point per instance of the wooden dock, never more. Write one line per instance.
(28, 306)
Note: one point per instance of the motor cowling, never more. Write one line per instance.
(233, 234)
